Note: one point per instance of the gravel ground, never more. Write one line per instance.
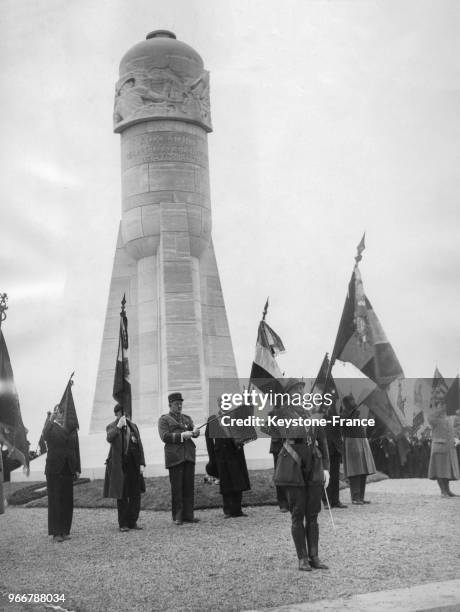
(408, 535)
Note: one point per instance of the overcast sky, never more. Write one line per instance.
(330, 118)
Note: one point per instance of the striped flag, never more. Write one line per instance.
(121, 382)
(361, 339)
(265, 371)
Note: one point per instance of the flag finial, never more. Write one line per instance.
(360, 248)
(264, 314)
(3, 307)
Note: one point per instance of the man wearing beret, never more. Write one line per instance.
(176, 431)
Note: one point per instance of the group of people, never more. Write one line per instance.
(402, 457)
(306, 466)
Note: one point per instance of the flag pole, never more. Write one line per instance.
(329, 508)
(123, 315)
(358, 257)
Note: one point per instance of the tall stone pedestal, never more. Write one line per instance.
(164, 259)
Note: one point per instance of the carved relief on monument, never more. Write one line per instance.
(161, 92)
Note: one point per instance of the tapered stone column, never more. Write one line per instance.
(164, 260)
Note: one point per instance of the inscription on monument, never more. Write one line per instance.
(165, 146)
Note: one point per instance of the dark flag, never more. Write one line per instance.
(438, 388)
(67, 407)
(361, 339)
(325, 383)
(13, 434)
(265, 372)
(121, 383)
(453, 397)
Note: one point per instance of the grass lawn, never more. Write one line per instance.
(158, 494)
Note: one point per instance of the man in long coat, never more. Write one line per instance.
(227, 459)
(443, 465)
(303, 470)
(176, 431)
(124, 466)
(61, 469)
(358, 461)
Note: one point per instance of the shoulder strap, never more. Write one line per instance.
(293, 453)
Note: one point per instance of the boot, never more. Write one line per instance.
(304, 566)
(448, 491)
(444, 486)
(317, 564)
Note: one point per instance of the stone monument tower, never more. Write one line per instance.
(164, 259)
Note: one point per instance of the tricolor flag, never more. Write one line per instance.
(121, 382)
(13, 434)
(265, 372)
(361, 339)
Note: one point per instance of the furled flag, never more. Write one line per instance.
(265, 372)
(325, 383)
(439, 388)
(121, 382)
(453, 397)
(13, 434)
(67, 406)
(361, 339)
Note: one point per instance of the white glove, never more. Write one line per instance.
(326, 478)
(141, 468)
(121, 422)
(186, 435)
(456, 441)
(196, 432)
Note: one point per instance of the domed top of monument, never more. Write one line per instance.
(162, 78)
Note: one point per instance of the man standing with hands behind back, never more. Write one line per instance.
(176, 431)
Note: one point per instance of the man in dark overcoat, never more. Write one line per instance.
(124, 466)
(61, 469)
(226, 456)
(176, 431)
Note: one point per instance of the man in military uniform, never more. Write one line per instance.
(176, 431)
(303, 470)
